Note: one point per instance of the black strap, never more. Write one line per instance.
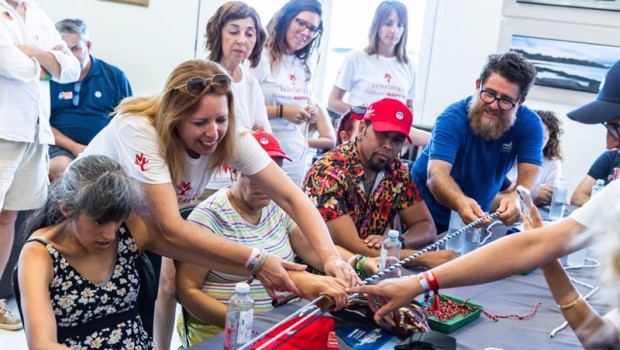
(38, 239)
(84, 330)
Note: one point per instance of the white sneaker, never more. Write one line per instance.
(8, 321)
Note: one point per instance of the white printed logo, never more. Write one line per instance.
(507, 147)
(399, 115)
(264, 140)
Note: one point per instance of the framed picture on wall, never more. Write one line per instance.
(571, 59)
(566, 64)
(609, 5)
(133, 2)
(566, 11)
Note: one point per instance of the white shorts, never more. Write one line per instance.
(23, 175)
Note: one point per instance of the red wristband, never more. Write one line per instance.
(432, 280)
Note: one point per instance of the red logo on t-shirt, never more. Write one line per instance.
(293, 78)
(183, 187)
(388, 77)
(615, 175)
(141, 161)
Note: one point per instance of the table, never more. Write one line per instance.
(517, 294)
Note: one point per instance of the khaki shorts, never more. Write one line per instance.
(23, 175)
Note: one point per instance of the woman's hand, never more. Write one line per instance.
(545, 192)
(313, 286)
(432, 259)
(537, 220)
(338, 268)
(274, 276)
(390, 294)
(371, 265)
(295, 115)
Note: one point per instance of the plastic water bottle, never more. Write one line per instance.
(456, 223)
(598, 186)
(558, 200)
(389, 247)
(239, 316)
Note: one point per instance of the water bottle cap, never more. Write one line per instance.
(600, 182)
(393, 234)
(242, 287)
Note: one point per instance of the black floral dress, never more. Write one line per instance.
(77, 302)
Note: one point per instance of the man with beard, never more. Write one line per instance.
(360, 186)
(81, 109)
(475, 142)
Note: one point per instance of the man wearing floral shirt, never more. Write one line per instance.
(359, 187)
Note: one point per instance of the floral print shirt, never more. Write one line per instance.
(335, 186)
(77, 301)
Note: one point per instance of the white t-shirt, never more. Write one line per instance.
(369, 78)
(249, 102)
(288, 85)
(549, 174)
(602, 212)
(133, 142)
(249, 111)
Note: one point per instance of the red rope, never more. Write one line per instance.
(449, 308)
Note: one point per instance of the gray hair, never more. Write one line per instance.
(72, 26)
(96, 186)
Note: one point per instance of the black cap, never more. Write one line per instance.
(607, 104)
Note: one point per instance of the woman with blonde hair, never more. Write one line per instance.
(285, 73)
(173, 142)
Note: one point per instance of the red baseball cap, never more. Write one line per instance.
(270, 144)
(389, 114)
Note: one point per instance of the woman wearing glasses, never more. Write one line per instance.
(380, 70)
(173, 142)
(285, 74)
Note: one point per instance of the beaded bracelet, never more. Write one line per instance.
(353, 260)
(359, 266)
(571, 304)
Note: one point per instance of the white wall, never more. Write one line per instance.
(145, 42)
(148, 42)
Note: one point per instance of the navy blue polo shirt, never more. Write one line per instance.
(81, 109)
(479, 166)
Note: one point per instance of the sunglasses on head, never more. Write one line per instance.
(358, 112)
(194, 86)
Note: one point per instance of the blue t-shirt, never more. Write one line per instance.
(606, 166)
(81, 109)
(478, 166)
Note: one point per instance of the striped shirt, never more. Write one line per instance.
(217, 214)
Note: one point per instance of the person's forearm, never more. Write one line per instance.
(510, 255)
(591, 329)
(579, 199)
(421, 234)
(338, 106)
(321, 143)
(64, 142)
(445, 189)
(47, 61)
(188, 242)
(528, 173)
(203, 307)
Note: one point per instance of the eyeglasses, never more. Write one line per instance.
(195, 86)
(76, 97)
(505, 104)
(613, 128)
(302, 25)
(358, 112)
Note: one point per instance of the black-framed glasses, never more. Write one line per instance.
(76, 94)
(302, 25)
(613, 128)
(196, 85)
(358, 111)
(504, 103)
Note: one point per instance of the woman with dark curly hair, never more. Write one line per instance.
(285, 73)
(552, 159)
